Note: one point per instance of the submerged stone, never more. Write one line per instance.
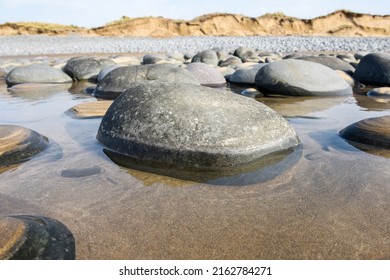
(81, 172)
(374, 132)
(189, 127)
(118, 80)
(24, 237)
(19, 144)
(93, 109)
(300, 78)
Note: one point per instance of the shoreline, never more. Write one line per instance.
(32, 45)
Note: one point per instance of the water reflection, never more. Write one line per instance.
(372, 104)
(264, 169)
(300, 105)
(291, 106)
(35, 91)
(81, 87)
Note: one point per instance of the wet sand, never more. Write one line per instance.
(332, 203)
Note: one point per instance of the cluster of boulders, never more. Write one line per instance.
(173, 112)
(166, 110)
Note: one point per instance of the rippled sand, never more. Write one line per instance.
(332, 203)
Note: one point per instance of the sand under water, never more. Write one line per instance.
(328, 200)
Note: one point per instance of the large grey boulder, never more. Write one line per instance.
(330, 61)
(206, 74)
(85, 68)
(208, 56)
(246, 75)
(300, 78)
(189, 127)
(36, 73)
(18, 144)
(118, 80)
(374, 69)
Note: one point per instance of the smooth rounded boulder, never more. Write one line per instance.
(85, 68)
(153, 58)
(18, 144)
(232, 62)
(189, 127)
(300, 78)
(373, 132)
(26, 237)
(246, 75)
(106, 70)
(206, 74)
(374, 69)
(36, 73)
(331, 62)
(244, 53)
(118, 80)
(208, 57)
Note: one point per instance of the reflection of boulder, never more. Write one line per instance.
(370, 103)
(37, 91)
(381, 95)
(25, 237)
(300, 105)
(81, 87)
(369, 134)
(265, 169)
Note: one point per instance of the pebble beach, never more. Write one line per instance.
(41, 44)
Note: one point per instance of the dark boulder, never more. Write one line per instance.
(189, 127)
(118, 80)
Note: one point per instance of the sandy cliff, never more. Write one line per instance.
(340, 23)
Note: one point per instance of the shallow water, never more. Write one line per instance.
(329, 200)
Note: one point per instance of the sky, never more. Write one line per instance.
(94, 13)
